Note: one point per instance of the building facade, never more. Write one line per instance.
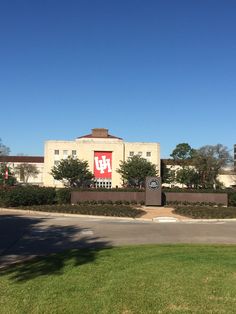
(235, 157)
(103, 151)
(226, 176)
(15, 161)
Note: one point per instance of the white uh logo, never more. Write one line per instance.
(103, 164)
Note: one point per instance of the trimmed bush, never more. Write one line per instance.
(26, 196)
(128, 189)
(206, 212)
(185, 190)
(88, 209)
(232, 198)
(63, 196)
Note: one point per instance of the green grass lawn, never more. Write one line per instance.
(135, 279)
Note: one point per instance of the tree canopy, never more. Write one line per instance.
(25, 171)
(187, 176)
(167, 174)
(200, 167)
(209, 160)
(183, 151)
(72, 172)
(4, 150)
(135, 170)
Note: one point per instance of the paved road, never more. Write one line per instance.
(23, 236)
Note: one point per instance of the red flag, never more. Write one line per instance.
(6, 174)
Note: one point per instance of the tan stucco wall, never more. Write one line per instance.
(144, 148)
(86, 147)
(50, 157)
(227, 179)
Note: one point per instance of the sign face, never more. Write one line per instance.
(153, 191)
(153, 184)
(102, 165)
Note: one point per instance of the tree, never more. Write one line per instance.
(72, 172)
(208, 161)
(187, 176)
(4, 150)
(25, 171)
(183, 155)
(135, 170)
(183, 152)
(167, 174)
(6, 175)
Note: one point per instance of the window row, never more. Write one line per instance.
(148, 154)
(65, 152)
(103, 183)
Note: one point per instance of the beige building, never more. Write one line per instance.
(15, 161)
(226, 176)
(103, 151)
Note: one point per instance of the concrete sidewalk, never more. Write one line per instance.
(153, 212)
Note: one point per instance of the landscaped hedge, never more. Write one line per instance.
(129, 189)
(26, 196)
(232, 198)
(206, 212)
(63, 196)
(32, 195)
(186, 190)
(88, 209)
(231, 194)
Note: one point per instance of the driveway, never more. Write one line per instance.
(23, 236)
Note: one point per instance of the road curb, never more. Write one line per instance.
(155, 219)
(35, 212)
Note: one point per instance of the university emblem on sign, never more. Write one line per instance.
(153, 184)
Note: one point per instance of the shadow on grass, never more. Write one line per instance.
(28, 246)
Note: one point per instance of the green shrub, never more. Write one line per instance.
(88, 209)
(118, 202)
(93, 202)
(101, 202)
(232, 198)
(127, 189)
(126, 202)
(63, 196)
(110, 202)
(26, 196)
(207, 212)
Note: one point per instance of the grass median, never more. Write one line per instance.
(134, 279)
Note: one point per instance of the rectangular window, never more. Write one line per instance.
(56, 152)
(65, 152)
(140, 153)
(131, 154)
(56, 162)
(148, 154)
(73, 153)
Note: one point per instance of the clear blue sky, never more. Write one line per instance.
(152, 71)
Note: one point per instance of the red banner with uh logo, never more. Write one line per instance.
(102, 165)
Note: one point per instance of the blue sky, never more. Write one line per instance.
(149, 71)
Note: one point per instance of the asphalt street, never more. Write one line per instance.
(23, 236)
